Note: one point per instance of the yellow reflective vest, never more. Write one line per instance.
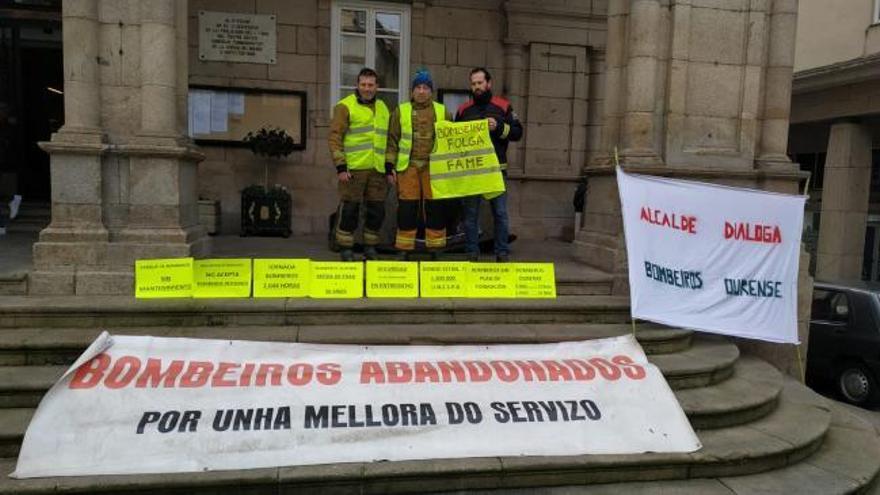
(364, 142)
(464, 162)
(404, 146)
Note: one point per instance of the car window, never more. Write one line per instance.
(829, 305)
(821, 309)
(839, 308)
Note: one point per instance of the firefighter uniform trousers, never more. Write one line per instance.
(414, 198)
(369, 187)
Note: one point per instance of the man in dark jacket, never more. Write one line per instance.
(504, 126)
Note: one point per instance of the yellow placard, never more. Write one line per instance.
(281, 277)
(222, 278)
(535, 280)
(463, 162)
(392, 279)
(491, 280)
(443, 278)
(336, 280)
(163, 278)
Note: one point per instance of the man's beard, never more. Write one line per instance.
(482, 96)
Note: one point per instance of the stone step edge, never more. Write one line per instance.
(369, 334)
(18, 312)
(769, 443)
(823, 472)
(123, 304)
(708, 360)
(751, 393)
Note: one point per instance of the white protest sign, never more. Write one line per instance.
(161, 405)
(713, 258)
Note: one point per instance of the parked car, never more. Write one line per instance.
(844, 345)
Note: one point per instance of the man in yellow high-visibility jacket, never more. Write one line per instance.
(410, 141)
(358, 134)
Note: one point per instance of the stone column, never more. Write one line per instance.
(158, 68)
(76, 233)
(615, 63)
(163, 196)
(642, 84)
(515, 53)
(844, 202)
(777, 86)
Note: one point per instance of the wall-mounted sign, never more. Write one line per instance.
(228, 37)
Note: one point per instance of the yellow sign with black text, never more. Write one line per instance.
(222, 278)
(281, 277)
(463, 162)
(491, 280)
(163, 278)
(443, 278)
(535, 280)
(336, 280)
(392, 279)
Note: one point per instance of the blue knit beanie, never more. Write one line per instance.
(422, 77)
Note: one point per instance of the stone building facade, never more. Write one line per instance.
(684, 88)
(835, 134)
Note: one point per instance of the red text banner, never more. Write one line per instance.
(160, 405)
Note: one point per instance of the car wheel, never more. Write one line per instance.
(856, 384)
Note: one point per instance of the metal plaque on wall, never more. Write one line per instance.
(229, 37)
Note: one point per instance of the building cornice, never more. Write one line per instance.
(549, 11)
(852, 71)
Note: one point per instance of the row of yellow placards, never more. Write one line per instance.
(245, 277)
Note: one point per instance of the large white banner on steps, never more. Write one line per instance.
(713, 258)
(161, 405)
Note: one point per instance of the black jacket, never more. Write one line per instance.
(499, 108)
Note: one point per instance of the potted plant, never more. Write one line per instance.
(266, 211)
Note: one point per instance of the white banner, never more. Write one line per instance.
(713, 258)
(160, 405)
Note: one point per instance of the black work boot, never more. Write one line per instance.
(370, 253)
(346, 254)
(502, 258)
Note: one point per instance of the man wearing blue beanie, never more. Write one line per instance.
(410, 141)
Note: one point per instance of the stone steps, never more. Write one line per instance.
(715, 406)
(13, 423)
(761, 432)
(845, 463)
(750, 393)
(39, 346)
(24, 386)
(791, 433)
(32, 217)
(577, 280)
(122, 311)
(13, 284)
(709, 360)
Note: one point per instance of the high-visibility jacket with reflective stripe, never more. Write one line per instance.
(404, 146)
(467, 167)
(364, 142)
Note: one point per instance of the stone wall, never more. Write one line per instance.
(547, 59)
(693, 88)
